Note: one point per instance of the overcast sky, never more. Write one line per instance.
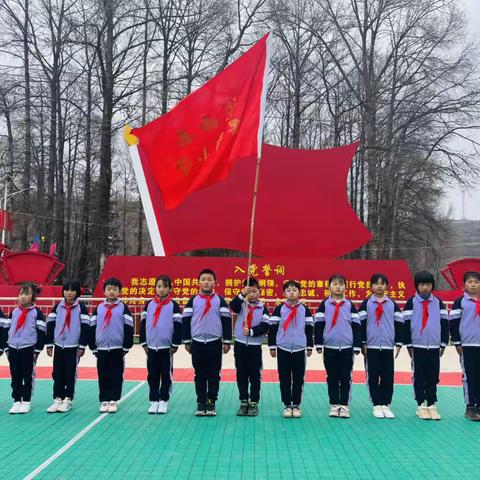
(470, 206)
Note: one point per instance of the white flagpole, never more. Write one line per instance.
(152, 223)
(261, 124)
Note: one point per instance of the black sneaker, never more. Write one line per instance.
(471, 413)
(210, 409)
(243, 409)
(201, 407)
(253, 409)
(477, 413)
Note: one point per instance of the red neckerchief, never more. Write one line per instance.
(378, 312)
(291, 316)
(108, 315)
(425, 304)
(23, 317)
(68, 316)
(208, 303)
(477, 305)
(158, 309)
(337, 311)
(251, 310)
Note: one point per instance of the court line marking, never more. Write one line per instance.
(78, 436)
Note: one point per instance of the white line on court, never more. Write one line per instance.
(78, 436)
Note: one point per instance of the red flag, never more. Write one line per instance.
(197, 142)
(53, 248)
(6, 220)
(34, 247)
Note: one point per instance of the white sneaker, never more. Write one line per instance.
(387, 413)
(103, 407)
(434, 415)
(113, 407)
(15, 407)
(24, 407)
(54, 406)
(378, 411)
(344, 411)
(287, 412)
(296, 412)
(153, 408)
(66, 405)
(162, 407)
(423, 412)
(334, 411)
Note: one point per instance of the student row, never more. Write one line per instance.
(205, 326)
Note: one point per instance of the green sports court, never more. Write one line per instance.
(133, 444)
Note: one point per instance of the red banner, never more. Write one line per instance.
(138, 274)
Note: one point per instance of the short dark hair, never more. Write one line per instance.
(337, 276)
(379, 276)
(207, 271)
(291, 283)
(72, 285)
(165, 279)
(424, 277)
(251, 282)
(27, 287)
(115, 282)
(471, 274)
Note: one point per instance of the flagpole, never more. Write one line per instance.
(261, 124)
(152, 224)
(252, 219)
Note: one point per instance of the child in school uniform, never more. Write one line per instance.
(382, 332)
(291, 335)
(465, 334)
(338, 335)
(426, 328)
(160, 336)
(251, 327)
(23, 339)
(207, 330)
(68, 327)
(111, 339)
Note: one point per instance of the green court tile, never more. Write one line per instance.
(133, 444)
(27, 440)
